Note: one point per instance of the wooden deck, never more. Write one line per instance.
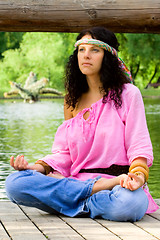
(23, 223)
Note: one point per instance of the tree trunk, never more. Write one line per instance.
(75, 15)
(158, 81)
(134, 74)
(155, 71)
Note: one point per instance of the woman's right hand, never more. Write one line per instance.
(19, 163)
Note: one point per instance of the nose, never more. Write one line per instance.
(87, 54)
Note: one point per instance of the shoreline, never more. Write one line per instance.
(19, 98)
(61, 97)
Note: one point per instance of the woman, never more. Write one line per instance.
(104, 136)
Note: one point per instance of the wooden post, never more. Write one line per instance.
(74, 15)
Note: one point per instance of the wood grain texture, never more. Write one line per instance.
(75, 15)
(19, 222)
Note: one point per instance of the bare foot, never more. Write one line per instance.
(56, 174)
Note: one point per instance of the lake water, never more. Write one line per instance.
(29, 129)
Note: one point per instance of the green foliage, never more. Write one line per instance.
(46, 54)
(9, 40)
(43, 53)
(141, 53)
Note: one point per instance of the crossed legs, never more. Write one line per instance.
(73, 197)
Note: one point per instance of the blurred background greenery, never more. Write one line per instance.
(46, 54)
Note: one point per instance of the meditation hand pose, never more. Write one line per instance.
(130, 181)
(102, 152)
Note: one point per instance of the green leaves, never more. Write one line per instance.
(141, 53)
(46, 55)
(9, 40)
(43, 53)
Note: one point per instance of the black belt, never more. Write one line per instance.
(114, 170)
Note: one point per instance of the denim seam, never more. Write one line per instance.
(88, 194)
(91, 186)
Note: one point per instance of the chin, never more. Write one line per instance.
(87, 72)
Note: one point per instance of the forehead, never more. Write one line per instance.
(85, 43)
(88, 45)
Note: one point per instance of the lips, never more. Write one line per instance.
(86, 64)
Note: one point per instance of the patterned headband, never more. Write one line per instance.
(108, 48)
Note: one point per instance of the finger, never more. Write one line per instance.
(17, 162)
(12, 161)
(133, 186)
(133, 176)
(25, 163)
(130, 186)
(133, 183)
(21, 163)
(127, 181)
(122, 183)
(125, 184)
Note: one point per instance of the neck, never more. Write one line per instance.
(94, 84)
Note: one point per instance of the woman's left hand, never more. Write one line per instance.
(132, 181)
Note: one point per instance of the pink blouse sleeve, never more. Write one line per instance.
(137, 139)
(60, 158)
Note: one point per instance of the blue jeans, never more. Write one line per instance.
(73, 197)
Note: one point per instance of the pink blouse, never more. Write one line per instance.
(108, 136)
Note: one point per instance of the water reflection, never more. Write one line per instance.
(29, 129)
(152, 107)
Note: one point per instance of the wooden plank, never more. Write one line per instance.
(51, 225)
(17, 224)
(30, 223)
(150, 225)
(90, 229)
(156, 214)
(157, 201)
(75, 15)
(3, 234)
(126, 230)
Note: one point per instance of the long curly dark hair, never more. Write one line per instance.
(111, 75)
